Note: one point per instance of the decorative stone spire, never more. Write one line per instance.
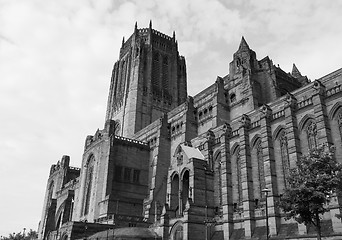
(243, 44)
(150, 26)
(295, 72)
(136, 26)
(123, 41)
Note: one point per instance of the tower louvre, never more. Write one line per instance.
(149, 79)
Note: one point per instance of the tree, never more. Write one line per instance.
(311, 185)
(22, 236)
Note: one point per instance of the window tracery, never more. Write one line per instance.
(89, 183)
(239, 179)
(284, 152)
(262, 182)
(339, 122)
(311, 131)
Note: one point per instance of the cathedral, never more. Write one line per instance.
(167, 165)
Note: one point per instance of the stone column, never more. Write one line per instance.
(165, 221)
(292, 135)
(226, 178)
(246, 176)
(269, 168)
(323, 129)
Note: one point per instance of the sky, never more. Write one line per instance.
(56, 58)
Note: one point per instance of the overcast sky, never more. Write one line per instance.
(56, 58)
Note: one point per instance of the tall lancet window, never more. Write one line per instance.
(89, 183)
(311, 132)
(284, 151)
(339, 121)
(165, 75)
(156, 73)
(239, 177)
(123, 78)
(218, 181)
(261, 169)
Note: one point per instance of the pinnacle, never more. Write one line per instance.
(295, 72)
(243, 44)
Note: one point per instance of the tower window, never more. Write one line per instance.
(232, 97)
(127, 175)
(136, 175)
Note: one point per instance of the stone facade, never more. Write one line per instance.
(195, 167)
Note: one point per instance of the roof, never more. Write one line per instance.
(191, 152)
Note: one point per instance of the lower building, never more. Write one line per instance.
(171, 166)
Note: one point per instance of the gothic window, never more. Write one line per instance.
(136, 175)
(178, 233)
(218, 180)
(165, 74)
(117, 127)
(238, 62)
(155, 72)
(239, 178)
(88, 186)
(127, 175)
(174, 201)
(185, 188)
(232, 97)
(123, 77)
(284, 155)
(339, 121)
(311, 132)
(50, 191)
(262, 183)
(115, 77)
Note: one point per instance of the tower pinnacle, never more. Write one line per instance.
(295, 72)
(243, 44)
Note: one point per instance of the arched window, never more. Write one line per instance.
(89, 183)
(311, 131)
(239, 177)
(185, 188)
(123, 77)
(284, 155)
(50, 191)
(178, 233)
(261, 169)
(217, 181)
(174, 201)
(232, 97)
(117, 127)
(155, 72)
(339, 122)
(165, 74)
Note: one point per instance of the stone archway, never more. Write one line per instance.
(177, 231)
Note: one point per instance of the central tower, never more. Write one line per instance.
(149, 79)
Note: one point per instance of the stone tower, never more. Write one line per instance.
(149, 79)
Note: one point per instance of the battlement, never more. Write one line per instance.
(129, 141)
(162, 35)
